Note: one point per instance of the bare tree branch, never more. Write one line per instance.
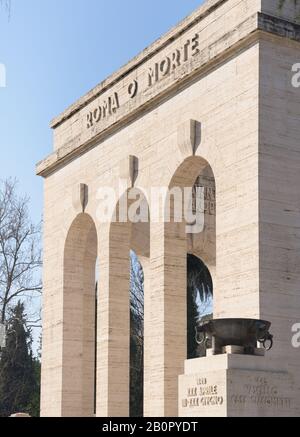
(137, 298)
(20, 254)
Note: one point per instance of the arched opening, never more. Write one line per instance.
(182, 237)
(199, 302)
(201, 250)
(79, 318)
(197, 234)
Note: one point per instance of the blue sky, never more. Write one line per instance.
(55, 51)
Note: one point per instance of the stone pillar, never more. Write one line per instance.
(78, 375)
(69, 321)
(165, 327)
(113, 322)
(51, 374)
(145, 262)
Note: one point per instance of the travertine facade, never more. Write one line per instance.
(212, 98)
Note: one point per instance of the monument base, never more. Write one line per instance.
(235, 386)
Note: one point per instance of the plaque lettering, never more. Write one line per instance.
(105, 109)
(160, 70)
(202, 395)
(170, 63)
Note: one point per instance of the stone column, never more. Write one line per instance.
(68, 321)
(165, 327)
(148, 339)
(51, 381)
(113, 322)
(78, 375)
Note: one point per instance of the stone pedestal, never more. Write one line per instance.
(235, 386)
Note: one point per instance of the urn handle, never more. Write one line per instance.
(200, 336)
(267, 341)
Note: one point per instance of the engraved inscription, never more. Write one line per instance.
(202, 395)
(133, 89)
(161, 69)
(208, 206)
(261, 393)
(104, 110)
(170, 63)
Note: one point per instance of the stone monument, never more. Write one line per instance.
(215, 100)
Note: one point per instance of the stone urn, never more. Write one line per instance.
(243, 334)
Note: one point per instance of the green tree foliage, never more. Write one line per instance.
(19, 370)
(34, 404)
(199, 289)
